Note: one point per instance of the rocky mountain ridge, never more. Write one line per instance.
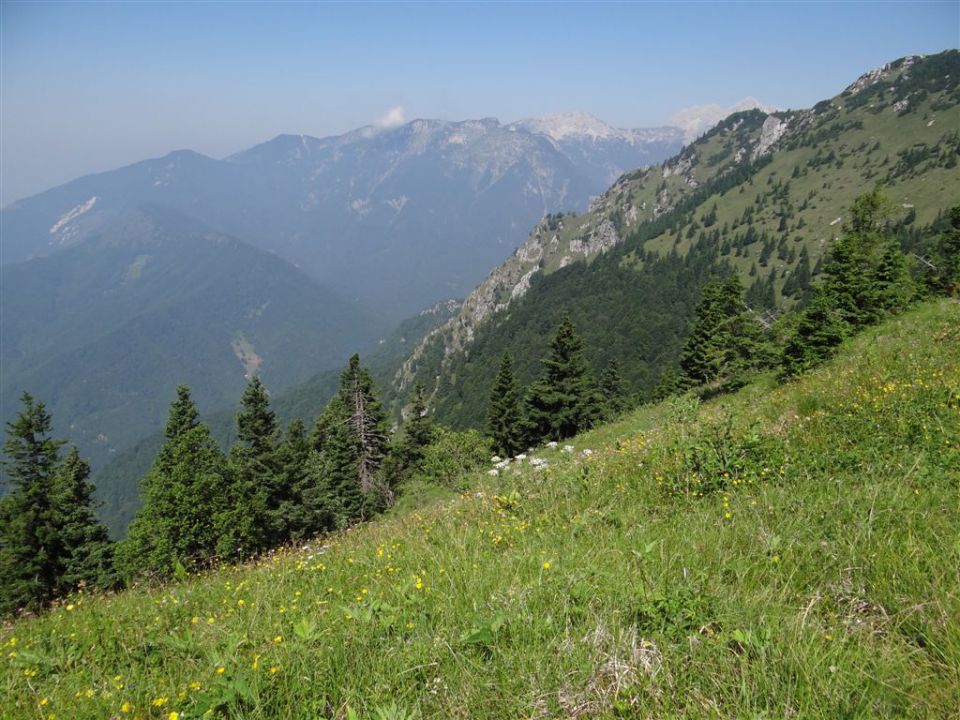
(813, 150)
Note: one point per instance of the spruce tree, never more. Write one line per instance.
(865, 273)
(367, 423)
(87, 549)
(946, 257)
(255, 520)
(30, 544)
(187, 494)
(612, 390)
(414, 436)
(293, 456)
(505, 414)
(50, 541)
(727, 344)
(351, 440)
(819, 329)
(564, 401)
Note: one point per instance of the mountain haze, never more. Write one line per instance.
(105, 329)
(398, 218)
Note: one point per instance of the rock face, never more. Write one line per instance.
(773, 129)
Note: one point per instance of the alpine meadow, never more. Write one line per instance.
(442, 418)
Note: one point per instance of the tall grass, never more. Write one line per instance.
(787, 551)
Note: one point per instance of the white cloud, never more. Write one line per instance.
(393, 117)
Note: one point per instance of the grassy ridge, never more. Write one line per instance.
(787, 551)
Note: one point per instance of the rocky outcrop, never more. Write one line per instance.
(773, 129)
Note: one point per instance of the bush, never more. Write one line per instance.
(452, 455)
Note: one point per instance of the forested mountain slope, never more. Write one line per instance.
(764, 194)
(104, 330)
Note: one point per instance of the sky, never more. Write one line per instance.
(90, 86)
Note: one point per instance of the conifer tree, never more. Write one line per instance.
(255, 521)
(820, 328)
(865, 273)
(564, 401)
(50, 541)
(293, 461)
(351, 439)
(30, 550)
(612, 390)
(415, 435)
(505, 414)
(367, 423)
(946, 256)
(87, 549)
(186, 494)
(727, 343)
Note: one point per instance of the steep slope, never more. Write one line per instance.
(763, 194)
(806, 568)
(398, 218)
(102, 331)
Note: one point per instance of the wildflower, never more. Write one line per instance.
(278, 639)
(546, 566)
(419, 583)
(210, 621)
(173, 716)
(160, 701)
(220, 670)
(273, 669)
(126, 708)
(44, 702)
(70, 607)
(194, 685)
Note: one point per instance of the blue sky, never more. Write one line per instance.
(92, 86)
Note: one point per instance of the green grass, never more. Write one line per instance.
(788, 551)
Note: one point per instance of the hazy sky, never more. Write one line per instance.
(91, 86)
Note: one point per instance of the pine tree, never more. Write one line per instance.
(612, 390)
(351, 439)
(946, 256)
(564, 401)
(187, 494)
(30, 545)
(368, 425)
(819, 330)
(865, 274)
(255, 521)
(87, 549)
(505, 414)
(293, 460)
(415, 435)
(50, 541)
(727, 344)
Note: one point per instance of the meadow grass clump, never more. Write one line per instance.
(811, 574)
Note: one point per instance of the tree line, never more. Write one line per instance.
(278, 485)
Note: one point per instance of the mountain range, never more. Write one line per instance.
(396, 218)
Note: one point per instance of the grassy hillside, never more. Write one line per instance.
(785, 552)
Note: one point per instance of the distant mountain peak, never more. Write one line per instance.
(697, 119)
(562, 126)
